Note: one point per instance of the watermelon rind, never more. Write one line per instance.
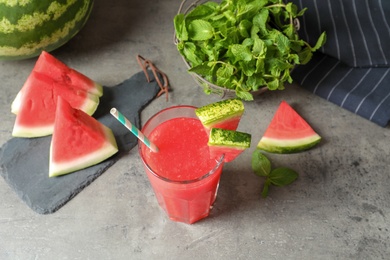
(281, 146)
(19, 130)
(30, 132)
(229, 143)
(16, 103)
(30, 26)
(229, 138)
(108, 149)
(212, 114)
(90, 106)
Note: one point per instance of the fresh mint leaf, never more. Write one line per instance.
(180, 29)
(189, 51)
(255, 82)
(244, 28)
(248, 68)
(202, 69)
(230, 16)
(282, 176)
(259, 48)
(273, 84)
(245, 95)
(292, 9)
(203, 11)
(321, 41)
(260, 163)
(260, 21)
(305, 55)
(240, 53)
(283, 43)
(200, 30)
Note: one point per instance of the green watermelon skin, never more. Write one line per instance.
(224, 114)
(230, 143)
(30, 26)
(288, 132)
(36, 111)
(79, 141)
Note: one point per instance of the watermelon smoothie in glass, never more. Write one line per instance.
(184, 178)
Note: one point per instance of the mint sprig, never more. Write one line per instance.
(281, 176)
(243, 45)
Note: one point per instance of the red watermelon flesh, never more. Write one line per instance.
(49, 65)
(230, 143)
(288, 132)
(79, 140)
(61, 73)
(36, 112)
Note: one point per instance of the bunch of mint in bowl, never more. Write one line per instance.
(241, 47)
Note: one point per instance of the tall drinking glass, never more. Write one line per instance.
(184, 177)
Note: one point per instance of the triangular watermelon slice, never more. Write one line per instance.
(49, 65)
(78, 141)
(61, 73)
(225, 114)
(228, 142)
(288, 132)
(37, 107)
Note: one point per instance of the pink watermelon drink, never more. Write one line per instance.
(184, 177)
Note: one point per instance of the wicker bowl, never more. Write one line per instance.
(207, 86)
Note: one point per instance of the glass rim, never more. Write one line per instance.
(218, 162)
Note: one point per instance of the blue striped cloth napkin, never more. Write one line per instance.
(352, 69)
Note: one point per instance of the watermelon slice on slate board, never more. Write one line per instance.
(59, 72)
(79, 141)
(36, 112)
(24, 162)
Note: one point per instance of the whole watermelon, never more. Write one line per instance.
(27, 27)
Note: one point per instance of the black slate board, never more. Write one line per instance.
(24, 162)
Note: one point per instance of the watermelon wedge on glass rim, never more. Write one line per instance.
(225, 114)
(288, 132)
(228, 142)
(79, 140)
(37, 108)
(50, 66)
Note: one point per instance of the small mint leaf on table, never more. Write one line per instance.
(260, 164)
(282, 176)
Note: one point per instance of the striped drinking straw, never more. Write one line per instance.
(118, 115)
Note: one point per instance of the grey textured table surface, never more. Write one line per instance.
(339, 208)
